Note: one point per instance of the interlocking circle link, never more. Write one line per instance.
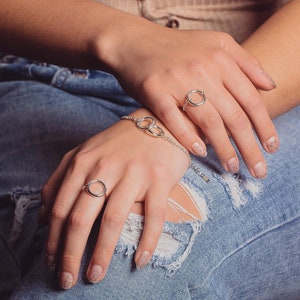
(98, 191)
(149, 125)
(190, 101)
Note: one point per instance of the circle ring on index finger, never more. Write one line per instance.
(189, 100)
(95, 192)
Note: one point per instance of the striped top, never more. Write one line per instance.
(237, 17)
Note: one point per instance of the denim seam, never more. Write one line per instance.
(242, 246)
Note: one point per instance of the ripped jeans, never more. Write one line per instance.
(244, 245)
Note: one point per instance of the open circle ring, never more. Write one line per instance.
(190, 101)
(95, 188)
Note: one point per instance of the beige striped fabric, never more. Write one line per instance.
(237, 17)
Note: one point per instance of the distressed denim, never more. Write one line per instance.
(245, 246)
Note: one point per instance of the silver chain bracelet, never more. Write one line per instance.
(148, 124)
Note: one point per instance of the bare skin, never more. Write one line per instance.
(157, 72)
(277, 46)
(244, 100)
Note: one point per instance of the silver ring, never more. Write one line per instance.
(190, 101)
(94, 192)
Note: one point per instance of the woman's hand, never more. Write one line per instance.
(134, 167)
(159, 66)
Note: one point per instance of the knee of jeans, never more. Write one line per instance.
(187, 211)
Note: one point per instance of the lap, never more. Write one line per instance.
(247, 237)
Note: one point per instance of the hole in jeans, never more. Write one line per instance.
(187, 210)
(182, 206)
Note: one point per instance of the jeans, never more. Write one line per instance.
(246, 245)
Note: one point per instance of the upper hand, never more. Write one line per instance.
(159, 66)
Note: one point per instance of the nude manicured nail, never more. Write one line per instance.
(66, 280)
(269, 78)
(199, 149)
(95, 273)
(233, 165)
(143, 260)
(260, 170)
(272, 144)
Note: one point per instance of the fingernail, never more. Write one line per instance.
(143, 260)
(50, 259)
(66, 280)
(272, 144)
(199, 149)
(95, 274)
(269, 78)
(260, 170)
(233, 165)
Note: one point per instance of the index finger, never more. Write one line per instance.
(248, 63)
(179, 125)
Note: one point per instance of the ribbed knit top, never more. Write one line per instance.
(237, 17)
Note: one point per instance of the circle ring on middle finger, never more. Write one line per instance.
(88, 188)
(189, 100)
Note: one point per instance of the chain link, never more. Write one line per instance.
(149, 125)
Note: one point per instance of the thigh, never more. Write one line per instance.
(250, 247)
(244, 246)
(39, 124)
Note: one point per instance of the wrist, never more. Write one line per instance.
(153, 127)
(172, 141)
(117, 42)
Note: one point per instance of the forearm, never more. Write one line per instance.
(277, 45)
(62, 32)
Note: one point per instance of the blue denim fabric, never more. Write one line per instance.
(247, 248)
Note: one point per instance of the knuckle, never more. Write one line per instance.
(168, 113)
(225, 149)
(158, 172)
(218, 55)
(198, 68)
(253, 60)
(150, 242)
(211, 121)
(254, 152)
(67, 156)
(109, 161)
(59, 212)
(113, 219)
(149, 84)
(254, 102)
(78, 220)
(51, 246)
(185, 134)
(239, 120)
(158, 214)
(68, 259)
(80, 160)
(225, 39)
